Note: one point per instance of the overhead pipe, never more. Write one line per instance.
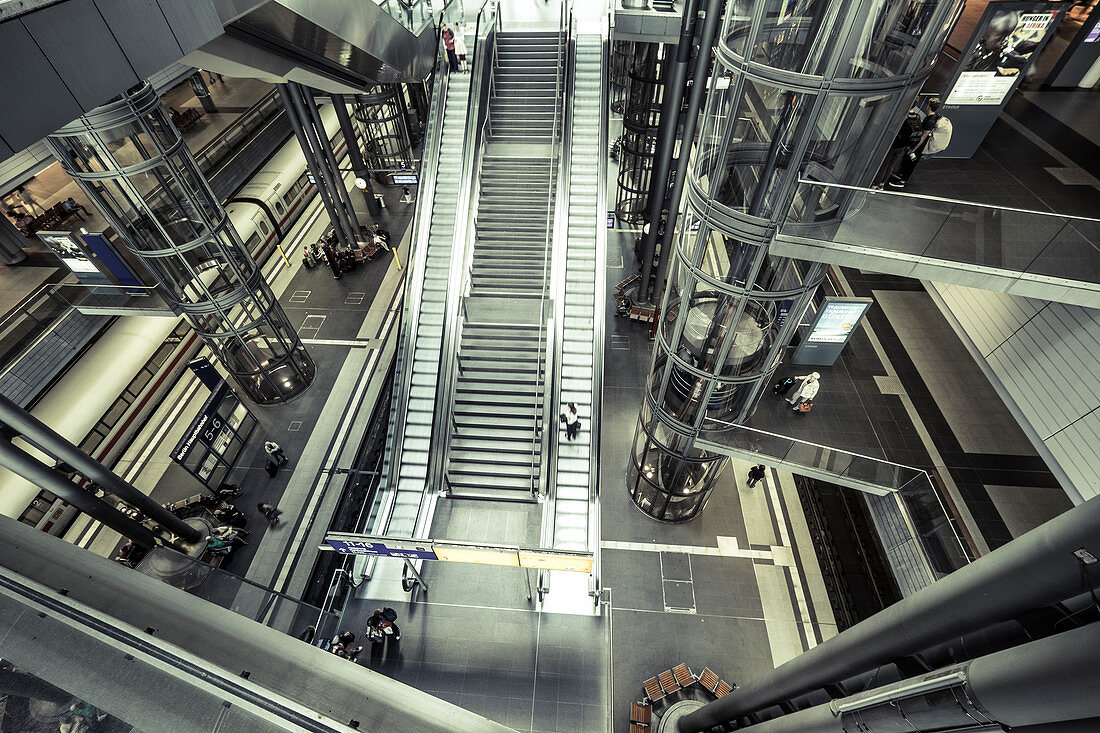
(1052, 680)
(23, 464)
(1036, 570)
(675, 78)
(712, 15)
(52, 443)
(355, 154)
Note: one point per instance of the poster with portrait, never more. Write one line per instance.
(1002, 53)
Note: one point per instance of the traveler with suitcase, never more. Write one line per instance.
(807, 390)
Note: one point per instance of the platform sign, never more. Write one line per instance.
(835, 323)
(405, 179)
(215, 438)
(379, 549)
(538, 558)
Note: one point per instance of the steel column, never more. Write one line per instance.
(310, 148)
(336, 180)
(712, 16)
(12, 242)
(355, 154)
(1033, 571)
(53, 444)
(666, 143)
(23, 464)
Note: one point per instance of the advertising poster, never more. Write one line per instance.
(835, 323)
(68, 251)
(1009, 39)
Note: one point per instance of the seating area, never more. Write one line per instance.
(664, 687)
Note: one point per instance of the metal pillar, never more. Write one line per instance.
(47, 440)
(336, 177)
(711, 17)
(317, 162)
(1046, 681)
(23, 464)
(131, 161)
(641, 124)
(675, 79)
(12, 242)
(202, 92)
(814, 94)
(1034, 571)
(355, 153)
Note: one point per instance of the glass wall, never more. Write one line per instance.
(131, 161)
(802, 91)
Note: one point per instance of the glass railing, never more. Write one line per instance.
(256, 602)
(26, 322)
(230, 141)
(413, 14)
(919, 535)
(113, 299)
(1037, 245)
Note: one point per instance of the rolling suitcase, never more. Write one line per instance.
(782, 388)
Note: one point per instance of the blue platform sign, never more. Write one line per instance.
(360, 547)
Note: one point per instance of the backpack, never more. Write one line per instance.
(940, 137)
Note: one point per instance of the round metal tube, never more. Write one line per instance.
(1033, 571)
(336, 180)
(1051, 679)
(23, 464)
(712, 16)
(355, 155)
(52, 443)
(666, 143)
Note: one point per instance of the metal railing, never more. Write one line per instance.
(476, 124)
(422, 222)
(919, 534)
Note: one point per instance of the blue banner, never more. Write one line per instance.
(359, 547)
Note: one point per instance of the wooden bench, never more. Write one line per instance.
(683, 675)
(723, 689)
(709, 680)
(668, 681)
(653, 689)
(641, 714)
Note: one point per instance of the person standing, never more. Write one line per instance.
(270, 512)
(806, 391)
(935, 136)
(572, 421)
(908, 136)
(460, 51)
(755, 474)
(275, 452)
(449, 44)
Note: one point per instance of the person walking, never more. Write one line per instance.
(275, 452)
(28, 201)
(572, 421)
(907, 137)
(755, 474)
(270, 512)
(935, 136)
(806, 391)
(449, 43)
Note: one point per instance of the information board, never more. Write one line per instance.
(538, 558)
(835, 323)
(379, 549)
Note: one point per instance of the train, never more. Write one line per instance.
(107, 395)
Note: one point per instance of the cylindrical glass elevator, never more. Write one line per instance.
(641, 120)
(801, 93)
(132, 162)
(383, 120)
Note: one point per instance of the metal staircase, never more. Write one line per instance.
(498, 410)
(526, 87)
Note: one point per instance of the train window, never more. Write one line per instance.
(279, 207)
(252, 244)
(264, 228)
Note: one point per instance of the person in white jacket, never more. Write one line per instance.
(807, 390)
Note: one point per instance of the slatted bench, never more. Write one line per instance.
(641, 715)
(683, 675)
(723, 689)
(668, 681)
(653, 689)
(709, 680)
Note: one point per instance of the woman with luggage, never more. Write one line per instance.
(806, 391)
